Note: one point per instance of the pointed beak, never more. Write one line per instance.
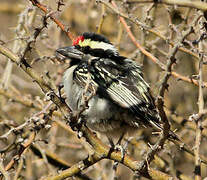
(70, 52)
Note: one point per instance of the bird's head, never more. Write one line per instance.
(89, 44)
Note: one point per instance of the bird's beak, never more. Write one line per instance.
(69, 52)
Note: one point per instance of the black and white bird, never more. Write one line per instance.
(122, 101)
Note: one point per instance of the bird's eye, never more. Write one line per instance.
(77, 47)
(85, 49)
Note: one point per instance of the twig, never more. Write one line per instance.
(19, 168)
(86, 133)
(35, 125)
(183, 122)
(24, 147)
(148, 20)
(184, 3)
(103, 14)
(48, 13)
(42, 82)
(5, 136)
(100, 148)
(150, 155)
(171, 60)
(3, 171)
(19, 99)
(198, 121)
(33, 38)
(25, 101)
(20, 31)
(101, 152)
(56, 161)
(147, 28)
(154, 59)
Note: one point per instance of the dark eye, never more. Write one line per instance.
(77, 47)
(85, 49)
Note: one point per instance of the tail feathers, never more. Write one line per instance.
(171, 134)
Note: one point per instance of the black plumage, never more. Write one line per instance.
(122, 98)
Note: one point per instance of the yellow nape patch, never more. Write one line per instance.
(88, 42)
(97, 45)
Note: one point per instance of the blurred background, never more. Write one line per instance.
(22, 99)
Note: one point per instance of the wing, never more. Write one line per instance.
(124, 84)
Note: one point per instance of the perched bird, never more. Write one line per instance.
(121, 101)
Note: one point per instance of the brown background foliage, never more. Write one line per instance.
(22, 99)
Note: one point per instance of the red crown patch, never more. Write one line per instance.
(76, 41)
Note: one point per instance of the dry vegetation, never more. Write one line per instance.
(167, 37)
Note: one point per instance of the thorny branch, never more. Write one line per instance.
(35, 124)
(17, 46)
(160, 102)
(101, 150)
(198, 121)
(99, 147)
(33, 38)
(153, 58)
(184, 3)
(50, 14)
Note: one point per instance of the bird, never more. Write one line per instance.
(121, 100)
